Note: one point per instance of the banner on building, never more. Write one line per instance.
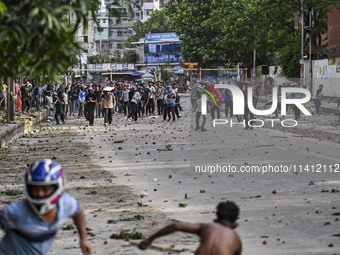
(192, 65)
(160, 37)
(108, 66)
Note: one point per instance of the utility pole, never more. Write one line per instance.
(254, 68)
(310, 51)
(302, 43)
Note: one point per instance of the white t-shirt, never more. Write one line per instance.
(65, 98)
(136, 97)
(152, 90)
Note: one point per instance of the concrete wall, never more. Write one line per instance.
(325, 74)
(11, 132)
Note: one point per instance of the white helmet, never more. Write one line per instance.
(43, 173)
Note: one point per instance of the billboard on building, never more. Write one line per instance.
(162, 48)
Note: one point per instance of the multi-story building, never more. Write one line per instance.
(110, 37)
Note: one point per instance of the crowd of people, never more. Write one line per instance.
(101, 99)
(137, 99)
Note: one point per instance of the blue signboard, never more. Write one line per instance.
(99, 66)
(152, 67)
(159, 37)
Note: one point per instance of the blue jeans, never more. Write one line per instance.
(61, 113)
(74, 107)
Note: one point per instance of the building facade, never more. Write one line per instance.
(109, 38)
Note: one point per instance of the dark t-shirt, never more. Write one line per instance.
(98, 95)
(145, 94)
(60, 96)
(48, 92)
(36, 91)
(318, 94)
(120, 93)
(91, 96)
(75, 94)
(131, 93)
(228, 97)
(24, 91)
(58, 104)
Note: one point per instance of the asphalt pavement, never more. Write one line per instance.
(292, 210)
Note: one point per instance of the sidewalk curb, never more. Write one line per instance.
(18, 129)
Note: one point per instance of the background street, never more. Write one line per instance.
(153, 162)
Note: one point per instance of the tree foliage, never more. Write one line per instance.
(36, 37)
(3, 8)
(157, 23)
(226, 32)
(129, 56)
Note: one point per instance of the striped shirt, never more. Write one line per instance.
(27, 232)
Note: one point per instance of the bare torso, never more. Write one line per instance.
(217, 239)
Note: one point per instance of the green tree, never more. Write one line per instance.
(192, 20)
(129, 56)
(37, 38)
(227, 32)
(3, 8)
(157, 23)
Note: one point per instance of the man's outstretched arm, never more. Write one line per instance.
(183, 227)
(79, 221)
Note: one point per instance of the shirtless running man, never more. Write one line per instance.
(216, 238)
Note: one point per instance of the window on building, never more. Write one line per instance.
(117, 21)
(149, 1)
(104, 20)
(119, 46)
(148, 11)
(111, 45)
(85, 39)
(120, 33)
(110, 21)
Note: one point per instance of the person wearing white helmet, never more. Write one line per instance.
(31, 224)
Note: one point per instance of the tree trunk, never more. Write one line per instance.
(10, 100)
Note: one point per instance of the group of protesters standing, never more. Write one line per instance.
(100, 99)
